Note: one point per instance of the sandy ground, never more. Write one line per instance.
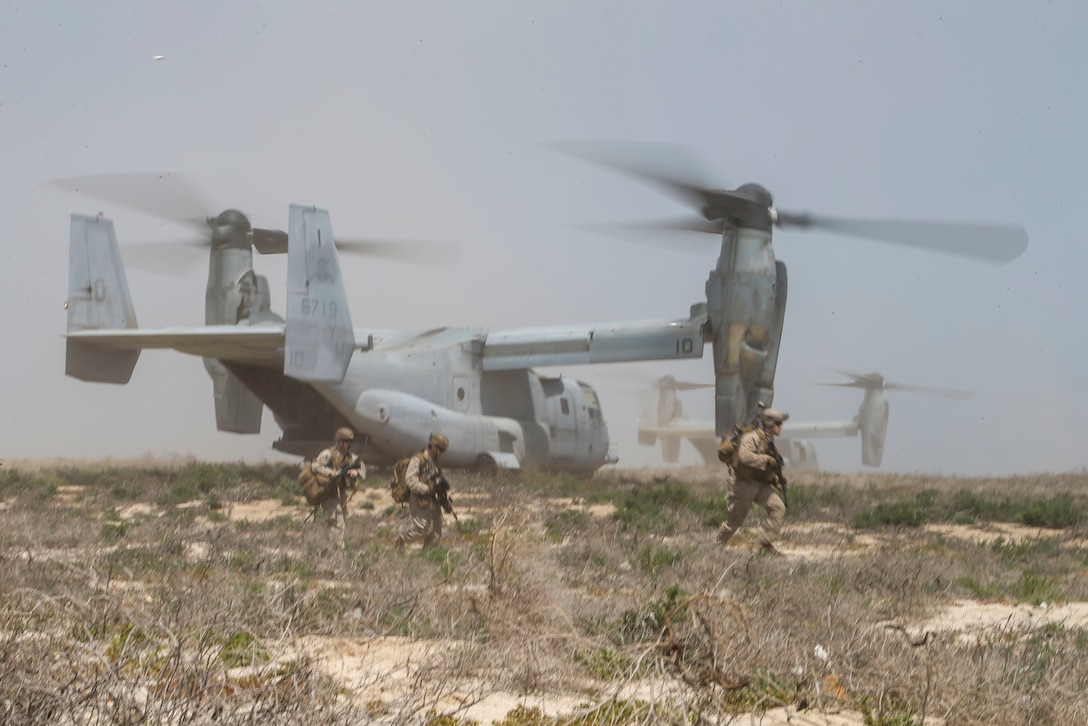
(373, 669)
(368, 667)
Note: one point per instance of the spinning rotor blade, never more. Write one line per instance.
(669, 167)
(650, 234)
(167, 195)
(433, 254)
(928, 391)
(174, 259)
(418, 252)
(877, 381)
(993, 242)
(174, 197)
(665, 382)
(673, 169)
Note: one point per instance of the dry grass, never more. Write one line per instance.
(181, 592)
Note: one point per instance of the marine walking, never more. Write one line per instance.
(757, 466)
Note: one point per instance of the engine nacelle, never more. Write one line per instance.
(873, 428)
(746, 303)
(235, 296)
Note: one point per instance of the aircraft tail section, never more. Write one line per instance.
(319, 338)
(98, 299)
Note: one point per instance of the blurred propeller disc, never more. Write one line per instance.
(665, 382)
(167, 195)
(673, 170)
(877, 381)
(174, 259)
(175, 197)
(991, 242)
(417, 252)
(650, 234)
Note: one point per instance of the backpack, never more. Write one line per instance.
(398, 484)
(315, 487)
(729, 448)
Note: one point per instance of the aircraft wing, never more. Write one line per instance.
(600, 343)
(257, 344)
(688, 428)
(263, 343)
(819, 429)
(705, 429)
(697, 430)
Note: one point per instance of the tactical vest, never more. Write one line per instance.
(428, 469)
(765, 446)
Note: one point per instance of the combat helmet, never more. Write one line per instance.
(773, 416)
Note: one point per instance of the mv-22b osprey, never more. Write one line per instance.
(316, 372)
(662, 421)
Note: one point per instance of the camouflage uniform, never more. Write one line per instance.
(756, 479)
(425, 516)
(328, 464)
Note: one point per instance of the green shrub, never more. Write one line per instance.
(1057, 513)
(654, 559)
(894, 514)
(560, 525)
(645, 625)
(604, 663)
(243, 649)
(652, 507)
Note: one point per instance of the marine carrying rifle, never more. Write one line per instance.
(442, 495)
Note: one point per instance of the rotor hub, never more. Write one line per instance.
(749, 205)
(231, 229)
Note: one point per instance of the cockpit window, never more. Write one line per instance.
(593, 404)
(564, 406)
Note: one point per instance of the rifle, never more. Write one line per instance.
(442, 495)
(343, 484)
(780, 478)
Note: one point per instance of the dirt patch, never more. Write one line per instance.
(971, 620)
(384, 669)
(263, 510)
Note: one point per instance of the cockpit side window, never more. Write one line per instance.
(593, 404)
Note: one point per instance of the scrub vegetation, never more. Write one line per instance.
(198, 593)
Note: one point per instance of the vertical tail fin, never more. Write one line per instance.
(98, 299)
(319, 339)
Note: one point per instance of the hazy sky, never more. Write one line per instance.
(426, 119)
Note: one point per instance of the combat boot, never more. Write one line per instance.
(769, 550)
